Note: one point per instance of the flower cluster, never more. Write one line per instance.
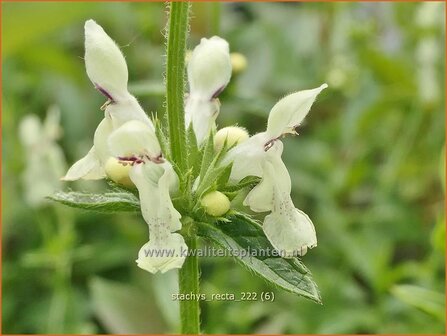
(128, 135)
(287, 228)
(126, 141)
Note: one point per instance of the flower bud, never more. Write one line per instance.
(238, 62)
(118, 172)
(209, 68)
(215, 203)
(232, 134)
(104, 62)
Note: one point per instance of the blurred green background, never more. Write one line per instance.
(368, 167)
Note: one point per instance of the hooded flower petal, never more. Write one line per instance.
(165, 249)
(209, 71)
(290, 111)
(107, 69)
(209, 68)
(134, 138)
(104, 62)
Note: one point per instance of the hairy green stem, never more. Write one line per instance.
(175, 80)
(189, 284)
(175, 90)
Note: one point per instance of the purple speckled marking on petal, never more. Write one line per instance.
(132, 160)
(218, 92)
(104, 92)
(269, 144)
(158, 159)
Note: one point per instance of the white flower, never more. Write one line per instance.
(107, 69)
(136, 144)
(45, 161)
(209, 68)
(288, 229)
(209, 71)
(153, 182)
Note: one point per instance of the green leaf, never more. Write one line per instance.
(193, 151)
(424, 299)
(115, 187)
(243, 234)
(107, 202)
(123, 308)
(223, 150)
(224, 177)
(207, 156)
(211, 172)
(210, 179)
(162, 138)
(21, 22)
(249, 181)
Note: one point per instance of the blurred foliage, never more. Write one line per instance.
(368, 167)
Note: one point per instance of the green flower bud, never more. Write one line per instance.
(233, 135)
(118, 172)
(215, 203)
